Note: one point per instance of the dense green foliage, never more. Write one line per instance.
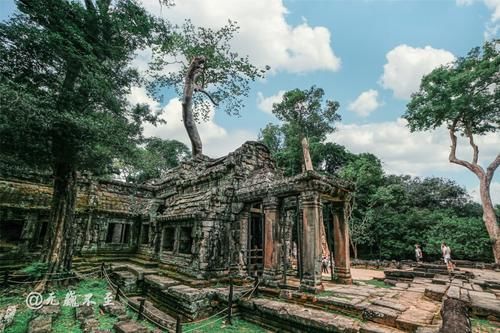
(393, 213)
(225, 76)
(152, 160)
(65, 66)
(304, 114)
(390, 214)
(464, 96)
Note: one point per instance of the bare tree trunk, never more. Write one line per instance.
(485, 177)
(194, 70)
(489, 217)
(307, 156)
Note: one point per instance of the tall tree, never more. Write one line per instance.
(307, 117)
(211, 72)
(65, 75)
(465, 97)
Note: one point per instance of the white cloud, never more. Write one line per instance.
(366, 103)
(493, 25)
(419, 153)
(494, 192)
(266, 103)
(264, 33)
(407, 65)
(217, 141)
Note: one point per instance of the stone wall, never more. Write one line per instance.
(25, 209)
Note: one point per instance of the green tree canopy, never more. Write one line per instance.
(465, 97)
(65, 75)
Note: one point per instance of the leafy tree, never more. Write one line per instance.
(466, 236)
(365, 171)
(208, 66)
(65, 75)
(152, 160)
(465, 97)
(307, 118)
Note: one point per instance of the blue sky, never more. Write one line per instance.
(366, 54)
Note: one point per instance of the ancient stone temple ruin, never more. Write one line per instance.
(205, 219)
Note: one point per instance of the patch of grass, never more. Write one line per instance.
(35, 270)
(484, 325)
(377, 283)
(20, 324)
(221, 326)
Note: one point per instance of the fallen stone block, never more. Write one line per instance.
(453, 292)
(381, 315)
(390, 304)
(115, 309)
(369, 327)
(41, 324)
(129, 327)
(84, 311)
(435, 292)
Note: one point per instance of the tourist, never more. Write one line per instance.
(324, 265)
(418, 253)
(445, 249)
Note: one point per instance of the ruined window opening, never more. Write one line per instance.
(145, 234)
(118, 233)
(161, 209)
(168, 239)
(10, 232)
(185, 240)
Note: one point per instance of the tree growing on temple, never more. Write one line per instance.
(299, 144)
(465, 97)
(211, 73)
(64, 78)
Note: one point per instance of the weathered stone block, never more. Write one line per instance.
(41, 324)
(129, 327)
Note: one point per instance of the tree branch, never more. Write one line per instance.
(475, 148)
(491, 169)
(475, 168)
(200, 89)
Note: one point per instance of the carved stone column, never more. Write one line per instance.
(271, 241)
(243, 254)
(311, 242)
(341, 245)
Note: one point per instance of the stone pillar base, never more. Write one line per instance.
(311, 286)
(271, 278)
(343, 275)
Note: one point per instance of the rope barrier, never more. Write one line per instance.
(206, 324)
(150, 316)
(128, 303)
(204, 319)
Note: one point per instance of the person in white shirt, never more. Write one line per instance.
(446, 251)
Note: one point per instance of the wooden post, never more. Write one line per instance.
(117, 296)
(178, 326)
(141, 308)
(230, 303)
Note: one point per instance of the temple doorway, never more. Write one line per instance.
(255, 240)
